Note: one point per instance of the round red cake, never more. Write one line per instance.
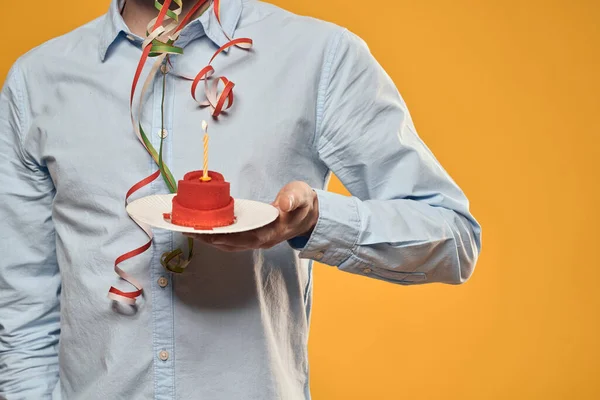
(202, 205)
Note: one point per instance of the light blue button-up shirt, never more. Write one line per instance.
(310, 100)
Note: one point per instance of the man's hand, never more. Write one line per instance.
(298, 214)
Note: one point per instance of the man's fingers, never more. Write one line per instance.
(293, 196)
(239, 240)
(250, 239)
(295, 202)
(284, 201)
(230, 249)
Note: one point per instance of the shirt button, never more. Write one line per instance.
(319, 255)
(130, 38)
(367, 270)
(163, 133)
(163, 355)
(164, 68)
(163, 282)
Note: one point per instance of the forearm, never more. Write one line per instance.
(401, 241)
(408, 221)
(29, 275)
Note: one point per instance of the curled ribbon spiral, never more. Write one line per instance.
(224, 100)
(153, 46)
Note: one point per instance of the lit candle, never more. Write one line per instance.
(205, 177)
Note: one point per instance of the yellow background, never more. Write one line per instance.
(506, 95)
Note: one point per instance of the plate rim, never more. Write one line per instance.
(186, 229)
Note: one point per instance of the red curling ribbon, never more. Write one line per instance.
(114, 293)
(217, 101)
(226, 95)
(146, 52)
(204, 73)
(187, 17)
(224, 100)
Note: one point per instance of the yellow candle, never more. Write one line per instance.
(205, 177)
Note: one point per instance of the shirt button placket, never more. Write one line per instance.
(162, 299)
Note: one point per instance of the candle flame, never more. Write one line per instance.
(204, 125)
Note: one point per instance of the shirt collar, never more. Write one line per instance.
(231, 10)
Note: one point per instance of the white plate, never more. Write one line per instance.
(249, 214)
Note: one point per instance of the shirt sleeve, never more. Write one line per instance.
(407, 221)
(29, 276)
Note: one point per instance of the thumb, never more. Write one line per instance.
(288, 200)
(293, 196)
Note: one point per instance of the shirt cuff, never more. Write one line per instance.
(336, 233)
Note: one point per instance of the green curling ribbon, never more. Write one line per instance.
(170, 13)
(173, 261)
(170, 260)
(159, 48)
(164, 170)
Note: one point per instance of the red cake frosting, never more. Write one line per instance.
(200, 204)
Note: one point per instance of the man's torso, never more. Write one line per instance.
(234, 325)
